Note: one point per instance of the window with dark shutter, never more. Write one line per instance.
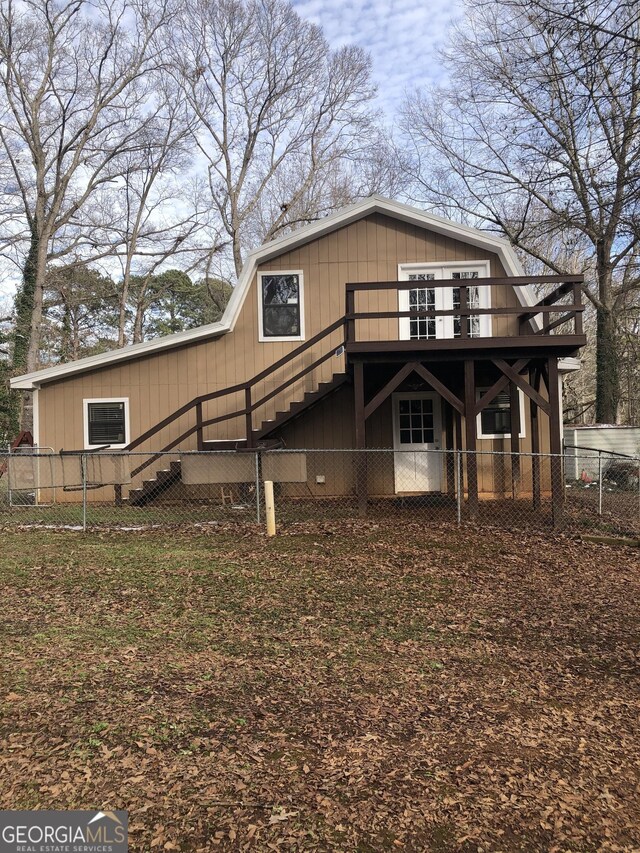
(281, 305)
(496, 417)
(106, 423)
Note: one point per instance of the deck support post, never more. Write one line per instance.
(449, 414)
(248, 417)
(360, 435)
(555, 441)
(534, 379)
(514, 411)
(470, 436)
(199, 432)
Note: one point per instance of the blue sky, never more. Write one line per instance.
(404, 38)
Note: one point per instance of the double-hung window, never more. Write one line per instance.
(106, 422)
(280, 306)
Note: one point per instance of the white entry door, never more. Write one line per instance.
(417, 428)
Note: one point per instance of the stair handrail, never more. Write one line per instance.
(247, 386)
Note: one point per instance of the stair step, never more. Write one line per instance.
(238, 444)
(153, 488)
(297, 407)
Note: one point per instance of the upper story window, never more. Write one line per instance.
(281, 306)
(106, 422)
(445, 299)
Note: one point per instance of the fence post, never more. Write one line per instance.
(599, 482)
(458, 487)
(9, 489)
(257, 486)
(83, 469)
(269, 508)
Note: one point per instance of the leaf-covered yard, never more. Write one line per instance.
(342, 687)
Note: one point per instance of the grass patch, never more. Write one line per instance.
(342, 687)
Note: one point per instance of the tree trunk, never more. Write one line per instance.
(607, 375)
(65, 342)
(237, 252)
(29, 319)
(138, 323)
(35, 331)
(122, 307)
(24, 307)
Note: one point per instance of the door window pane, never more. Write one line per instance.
(422, 299)
(473, 298)
(416, 421)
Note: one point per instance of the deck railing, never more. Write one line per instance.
(540, 314)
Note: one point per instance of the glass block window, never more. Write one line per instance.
(106, 423)
(416, 421)
(281, 305)
(422, 299)
(473, 296)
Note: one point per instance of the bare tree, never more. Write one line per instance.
(539, 137)
(279, 114)
(75, 87)
(610, 18)
(155, 210)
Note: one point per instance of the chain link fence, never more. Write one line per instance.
(595, 492)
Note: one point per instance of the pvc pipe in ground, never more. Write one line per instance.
(270, 508)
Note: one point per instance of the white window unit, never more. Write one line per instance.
(280, 305)
(106, 422)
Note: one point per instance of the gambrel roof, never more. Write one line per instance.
(345, 216)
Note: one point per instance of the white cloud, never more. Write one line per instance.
(404, 37)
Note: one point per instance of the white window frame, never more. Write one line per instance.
(268, 339)
(85, 409)
(505, 435)
(443, 270)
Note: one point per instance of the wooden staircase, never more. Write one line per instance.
(254, 437)
(153, 488)
(260, 435)
(310, 399)
(164, 478)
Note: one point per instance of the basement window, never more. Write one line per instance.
(494, 421)
(280, 304)
(106, 422)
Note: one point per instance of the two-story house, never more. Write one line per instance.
(381, 326)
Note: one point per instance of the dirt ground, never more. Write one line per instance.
(345, 686)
